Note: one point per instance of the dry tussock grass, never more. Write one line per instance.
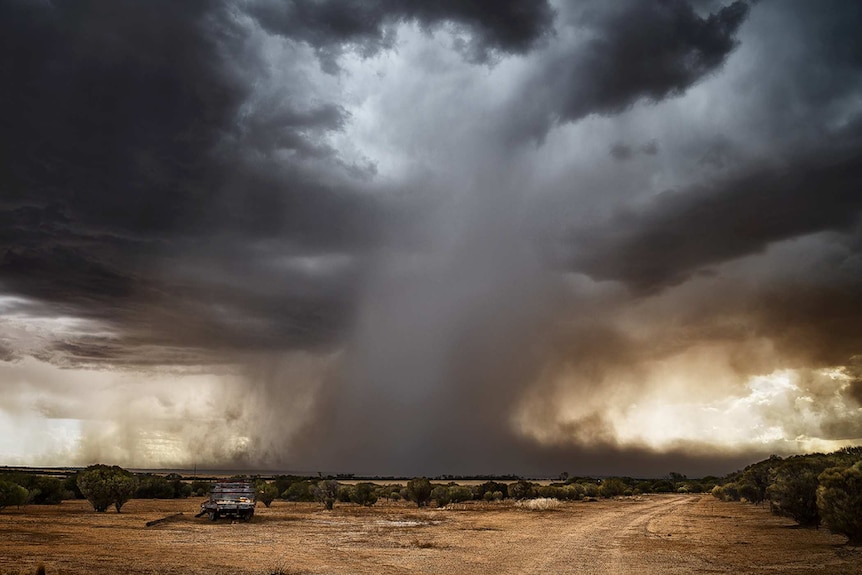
(539, 504)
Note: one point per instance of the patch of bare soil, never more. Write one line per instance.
(657, 534)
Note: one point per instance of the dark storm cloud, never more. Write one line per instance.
(509, 26)
(680, 233)
(126, 147)
(635, 51)
(817, 323)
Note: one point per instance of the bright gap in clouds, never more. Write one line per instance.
(787, 411)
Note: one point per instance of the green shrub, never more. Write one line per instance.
(419, 491)
(756, 479)
(590, 489)
(181, 488)
(490, 487)
(154, 487)
(200, 488)
(460, 493)
(440, 494)
(364, 494)
(392, 492)
(70, 485)
(793, 491)
(839, 501)
(573, 491)
(44, 490)
(301, 490)
(345, 492)
(663, 486)
(612, 487)
(521, 490)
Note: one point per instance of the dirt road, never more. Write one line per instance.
(615, 540)
(684, 534)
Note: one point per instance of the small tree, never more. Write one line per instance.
(419, 491)
(123, 486)
(266, 492)
(12, 494)
(326, 492)
(103, 485)
(839, 500)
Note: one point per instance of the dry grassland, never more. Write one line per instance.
(656, 534)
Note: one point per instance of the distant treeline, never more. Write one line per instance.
(19, 487)
(810, 488)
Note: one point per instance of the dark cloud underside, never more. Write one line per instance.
(509, 26)
(681, 233)
(635, 51)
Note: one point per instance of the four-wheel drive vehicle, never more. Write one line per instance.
(230, 500)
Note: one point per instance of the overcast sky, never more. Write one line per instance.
(408, 237)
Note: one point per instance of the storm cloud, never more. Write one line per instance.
(410, 237)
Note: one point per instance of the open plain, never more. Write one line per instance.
(655, 534)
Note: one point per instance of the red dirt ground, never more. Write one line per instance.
(656, 534)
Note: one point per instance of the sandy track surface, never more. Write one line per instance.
(646, 535)
(597, 543)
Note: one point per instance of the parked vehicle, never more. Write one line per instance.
(236, 499)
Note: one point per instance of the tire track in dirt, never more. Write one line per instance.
(598, 544)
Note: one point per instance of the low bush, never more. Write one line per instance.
(522, 490)
(200, 488)
(301, 490)
(440, 494)
(612, 487)
(364, 494)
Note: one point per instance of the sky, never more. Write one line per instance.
(399, 237)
